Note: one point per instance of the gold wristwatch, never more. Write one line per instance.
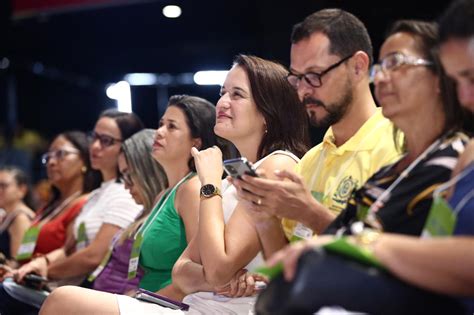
(209, 190)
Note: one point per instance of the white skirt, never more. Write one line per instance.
(200, 303)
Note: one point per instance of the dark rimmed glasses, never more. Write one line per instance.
(105, 140)
(313, 78)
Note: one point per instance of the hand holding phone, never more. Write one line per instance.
(238, 167)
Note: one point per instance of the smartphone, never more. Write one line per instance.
(34, 281)
(238, 167)
(151, 297)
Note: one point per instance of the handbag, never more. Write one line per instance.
(325, 279)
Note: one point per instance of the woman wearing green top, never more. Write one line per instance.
(188, 122)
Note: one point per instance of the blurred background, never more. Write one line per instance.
(58, 57)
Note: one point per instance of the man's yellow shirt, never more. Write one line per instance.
(332, 172)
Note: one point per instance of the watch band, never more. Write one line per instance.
(209, 191)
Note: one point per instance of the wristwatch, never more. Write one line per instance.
(209, 190)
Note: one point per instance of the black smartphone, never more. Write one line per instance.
(238, 167)
(34, 281)
(151, 297)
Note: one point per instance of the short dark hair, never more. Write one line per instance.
(277, 101)
(346, 33)
(426, 36)
(457, 21)
(200, 117)
(128, 123)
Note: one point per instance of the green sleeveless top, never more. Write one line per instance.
(163, 243)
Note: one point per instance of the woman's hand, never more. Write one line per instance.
(37, 266)
(208, 165)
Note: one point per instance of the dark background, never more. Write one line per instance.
(61, 62)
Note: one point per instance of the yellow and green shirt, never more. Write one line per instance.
(332, 172)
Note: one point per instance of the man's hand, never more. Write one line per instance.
(281, 198)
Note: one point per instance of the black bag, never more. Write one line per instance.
(326, 279)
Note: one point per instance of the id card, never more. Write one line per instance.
(441, 220)
(81, 236)
(28, 244)
(134, 256)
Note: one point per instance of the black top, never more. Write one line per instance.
(407, 207)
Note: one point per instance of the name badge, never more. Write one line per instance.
(441, 219)
(28, 243)
(82, 240)
(134, 256)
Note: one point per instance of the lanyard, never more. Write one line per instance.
(56, 210)
(144, 228)
(378, 203)
(342, 170)
(138, 237)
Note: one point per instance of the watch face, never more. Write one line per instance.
(208, 190)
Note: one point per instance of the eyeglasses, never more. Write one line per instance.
(313, 78)
(394, 61)
(127, 178)
(58, 155)
(105, 140)
(5, 185)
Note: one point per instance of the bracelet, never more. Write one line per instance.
(367, 239)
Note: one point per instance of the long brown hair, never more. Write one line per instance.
(277, 101)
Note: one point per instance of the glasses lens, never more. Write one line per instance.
(293, 80)
(313, 79)
(393, 61)
(106, 141)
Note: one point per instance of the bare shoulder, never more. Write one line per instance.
(188, 193)
(278, 162)
(190, 187)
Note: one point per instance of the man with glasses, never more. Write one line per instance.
(331, 54)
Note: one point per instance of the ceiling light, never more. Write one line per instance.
(172, 11)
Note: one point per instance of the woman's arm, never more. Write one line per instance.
(16, 230)
(442, 265)
(226, 248)
(187, 206)
(188, 273)
(86, 260)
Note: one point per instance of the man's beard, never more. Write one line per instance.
(334, 111)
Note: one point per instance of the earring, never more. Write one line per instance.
(83, 169)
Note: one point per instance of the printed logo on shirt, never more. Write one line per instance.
(344, 190)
